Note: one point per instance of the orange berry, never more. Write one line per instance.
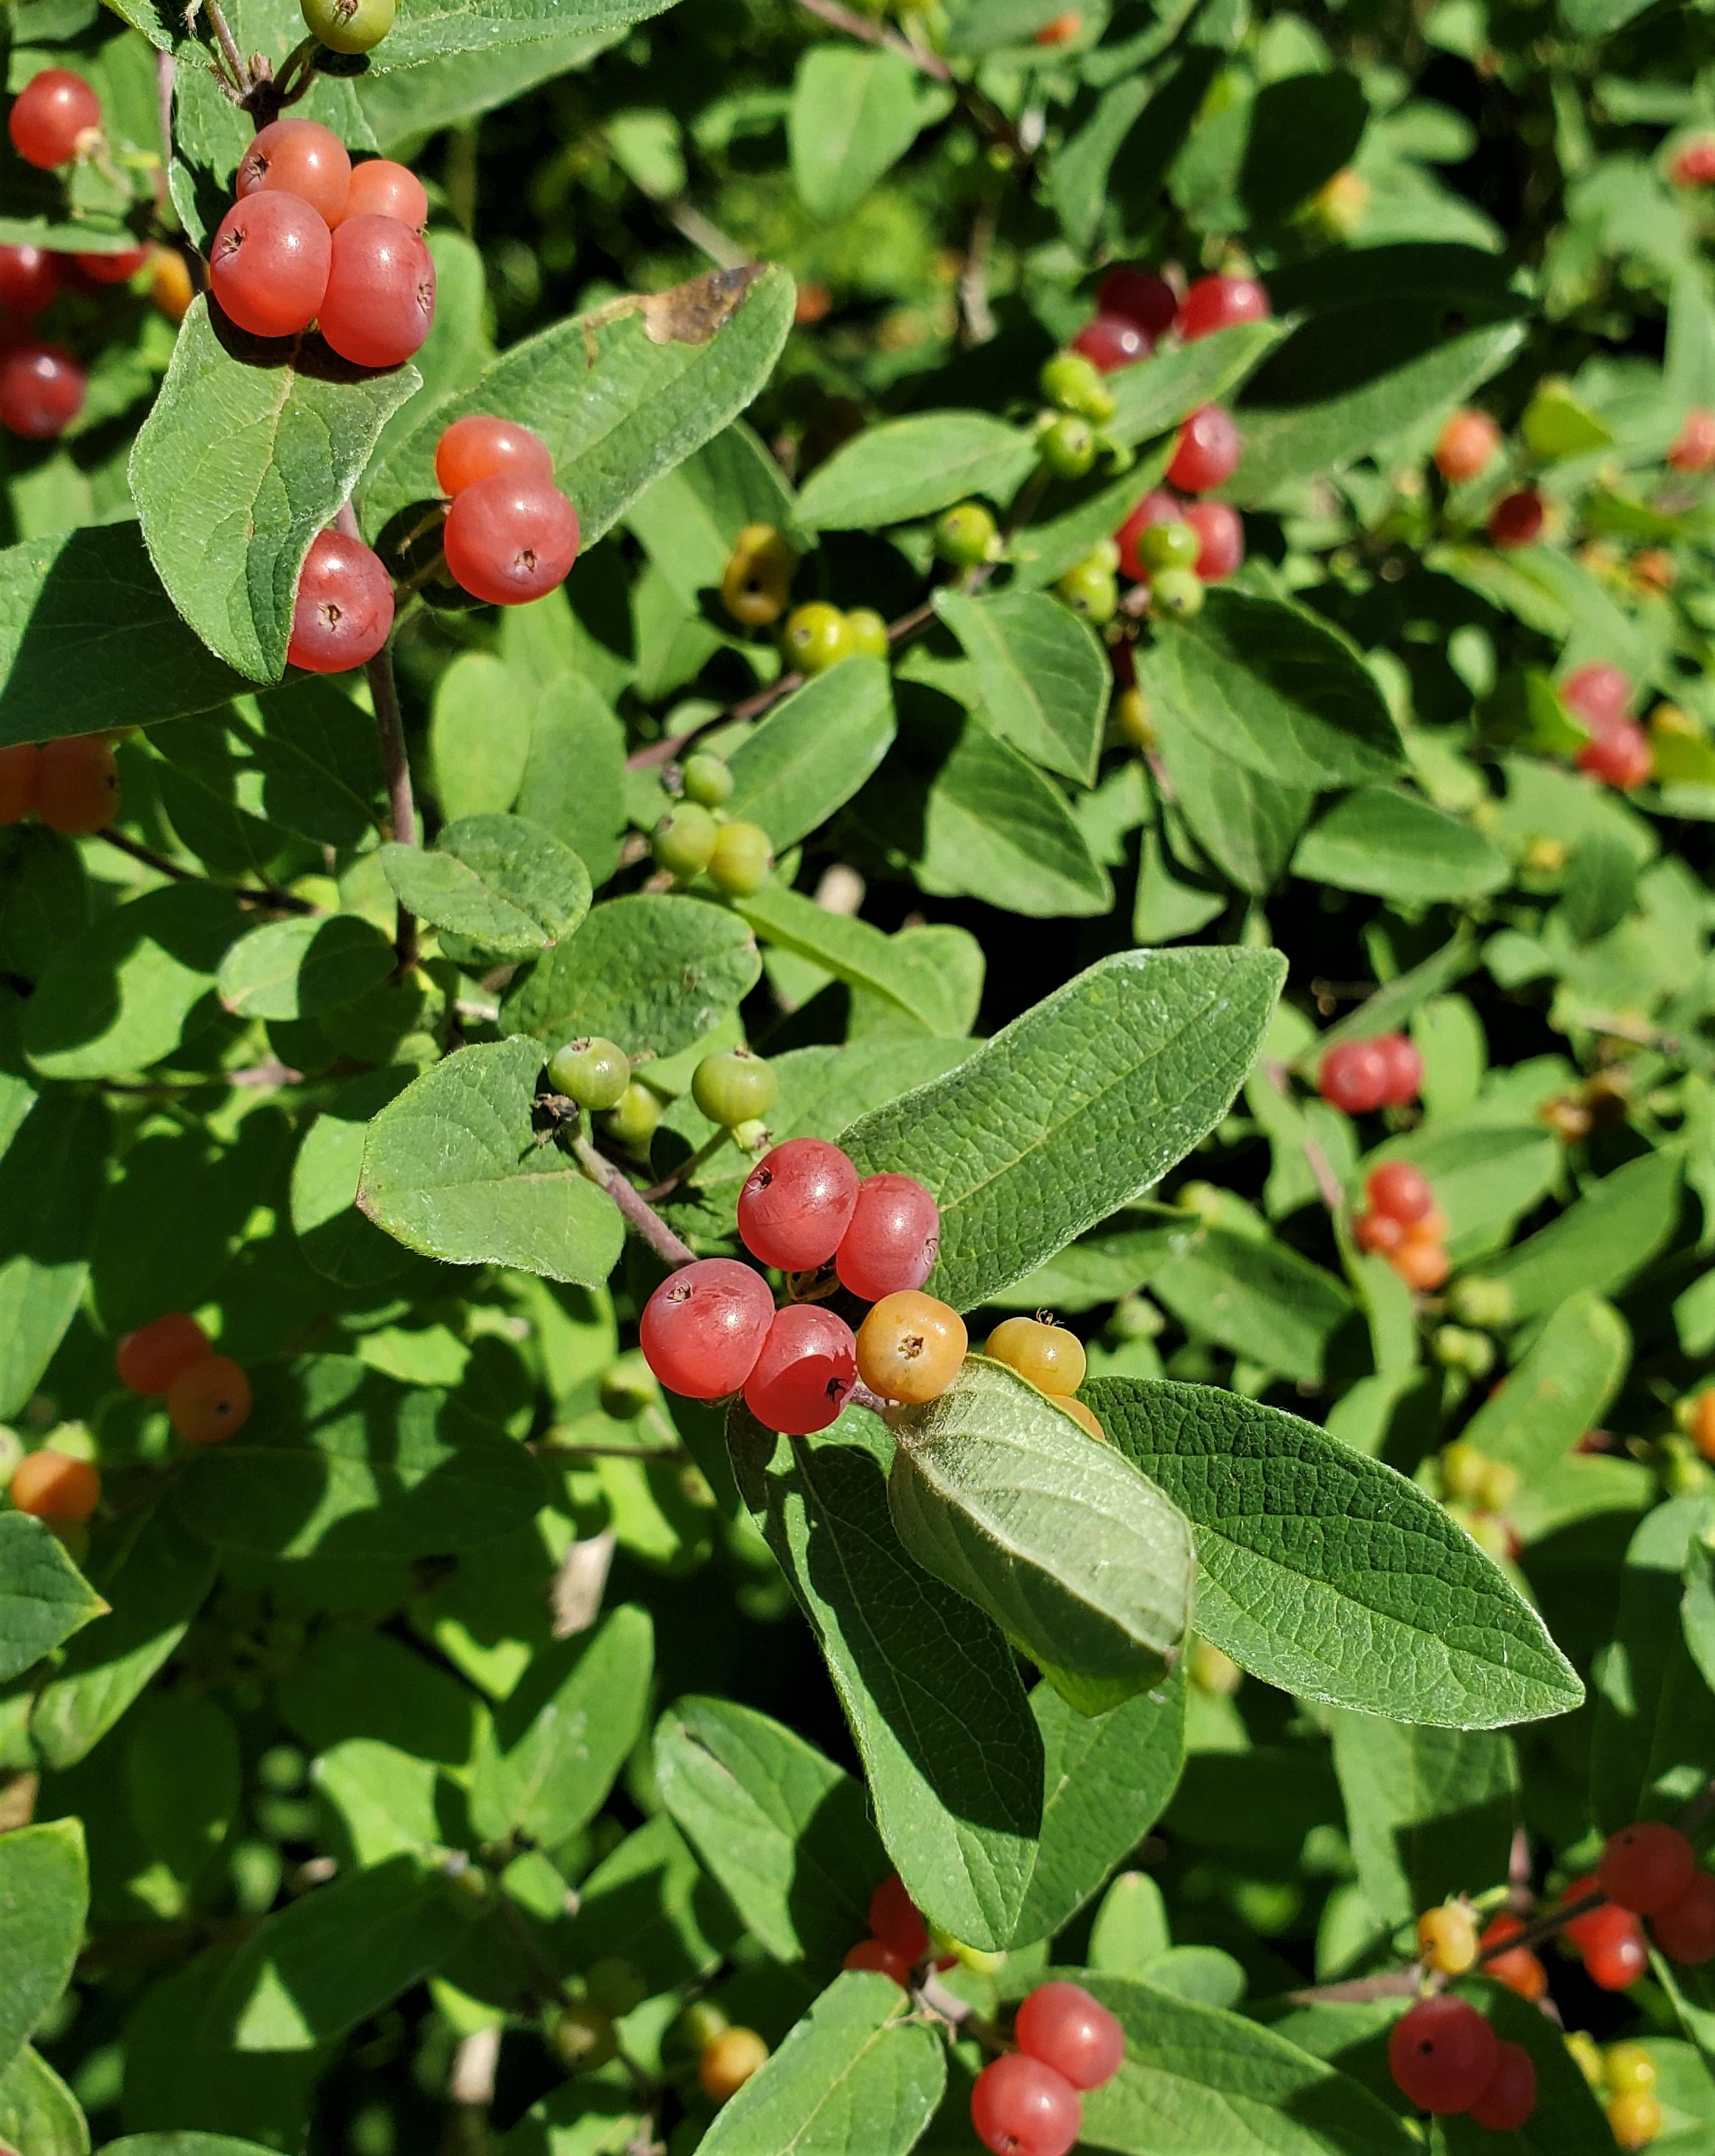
(170, 286)
(18, 769)
(77, 785)
(1048, 1355)
(209, 1401)
(149, 1360)
(910, 1347)
(52, 1485)
(1377, 1232)
(1421, 1263)
(728, 2062)
(1519, 1969)
(1467, 444)
(1702, 1423)
(1082, 1414)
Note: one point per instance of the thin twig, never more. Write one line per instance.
(229, 43)
(669, 1184)
(282, 902)
(1393, 1983)
(704, 233)
(874, 34)
(641, 1216)
(396, 763)
(1326, 1182)
(976, 315)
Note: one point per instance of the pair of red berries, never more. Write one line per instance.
(899, 1938)
(1648, 1869)
(1219, 529)
(1402, 1225)
(1445, 2058)
(1135, 309)
(72, 785)
(1617, 752)
(1360, 1077)
(313, 239)
(207, 1395)
(1027, 2103)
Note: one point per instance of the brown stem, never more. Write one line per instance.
(641, 1216)
(282, 902)
(396, 763)
(1326, 1182)
(1393, 1983)
(669, 1184)
(860, 1396)
(873, 33)
(229, 43)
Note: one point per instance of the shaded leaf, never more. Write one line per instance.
(43, 1598)
(1043, 677)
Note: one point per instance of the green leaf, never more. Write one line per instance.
(128, 991)
(51, 1180)
(506, 883)
(1568, 2118)
(333, 1235)
(479, 735)
(860, 2071)
(1246, 821)
(574, 773)
(1043, 677)
(690, 519)
(1600, 1243)
(907, 468)
(655, 973)
(1324, 1571)
(951, 1755)
(453, 1168)
(855, 112)
(545, 1764)
(459, 345)
(445, 29)
(1429, 1812)
(785, 1831)
(182, 2144)
(1394, 1003)
(1400, 847)
(1159, 392)
(340, 1462)
(650, 1902)
(43, 1598)
(317, 763)
(1075, 1108)
(1256, 1296)
(44, 1893)
(1558, 1390)
(37, 2112)
(387, 1800)
(306, 963)
(1652, 1748)
(813, 751)
(620, 395)
(183, 1782)
(246, 454)
(1081, 1563)
(853, 951)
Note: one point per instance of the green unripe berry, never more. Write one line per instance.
(348, 26)
(698, 2026)
(684, 842)
(1071, 383)
(1169, 545)
(1473, 1353)
(1499, 1486)
(594, 1073)
(980, 1960)
(966, 536)
(815, 637)
(707, 779)
(1106, 555)
(1090, 591)
(583, 2036)
(866, 633)
(635, 1119)
(757, 581)
(1176, 591)
(752, 1136)
(1487, 1303)
(1067, 446)
(742, 860)
(733, 1087)
(628, 1387)
(1463, 1470)
(618, 1985)
(1131, 716)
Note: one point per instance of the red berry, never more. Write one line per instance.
(796, 1203)
(1061, 2024)
(268, 268)
(379, 304)
(1139, 296)
(1354, 1076)
(1208, 451)
(807, 1365)
(1399, 1189)
(20, 768)
(1441, 2054)
(149, 1360)
(1516, 518)
(42, 391)
(1467, 444)
(1405, 1063)
(380, 188)
(1221, 529)
(208, 1400)
(1510, 2097)
(1694, 445)
(876, 1954)
(1685, 1930)
(479, 447)
(1156, 507)
(1219, 303)
(895, 1920)
(1598, 693)
(1020, 2107)
(508, 541)
(29, 278)
(891, 1242)
(1614, 1950)
(77, 785)
(112, 269)
(1694, 165)
(1580, 1889)
(1646, 1866)
(298, 157)
(1617, 753)
(344, 611)
(704, 1327)
(1519, 1969)
(1110, 343)
(53, 114)
(1378, 1232)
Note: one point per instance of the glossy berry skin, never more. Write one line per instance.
(1110, 342)
(742, 861)
(1139, 296)
(704, 1327)
(1378, 1232)
(684, 841)
(733, 1087)
(1020, 2107)
(910, 1347)
(509, 541)
(634, 1118)
(1421, 1262)
(42, 391)
(268, 266)
(1083, 1414)
(1516, 1967)
(170, 285)
(866, 633)
(1070, 382)
(807, 1365)
(1597, 693)
(1441, 2054)
(52, 1485)
(896, 1922)
(728, 2062)
(1447, 1939)
(344, 610)
(594, 1072)
(891, 1242)
(29, 278)
(1220, 535)
(348, 26)
(965, 535)
(149, 1360)
(1517, 519)
(1064, 2027)
(52, 117)
(1628, 2066)
(1090, 590)
(1067, 446)
(707, 779)
(380, 188)
(479, 446)
(1635, 2118)
(1694, 164)
(1208, 452)
(19, 768)
(77, 785)
(299, 157)
(1173, 545)
(796, 1203)
(1511, 2095)
(208, 1400)
(1156, 507)
(1693, 449)
(876, 1955)
(1646, 1866)
(1614, 1953)
(112, 269)
(1353, 1077)
(1685, 1930)
(814, 637)
(1619, 754)
(1050, 1357)
(1399, 1189)
(1405, 1062)
(379, 304)
(1465, 446)
(757, 581)
(1176, 592)
(1221, 303)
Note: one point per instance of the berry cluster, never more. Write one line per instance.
(595, 1075)
(1617, 752)
(1478, 1491)
(1648, 1869)
(1623, 2078)
(71, 785)
(1173, 548)
(510, 535)
(1135, 309)
(313, 238)
(818, 636)
(1359, 1076)
(1027, 2103)
(756, 589)
(899, 1938)
(55, 1488)
(1445, 2058)
(1400, 1223)
(207, 1395)
(698, 838)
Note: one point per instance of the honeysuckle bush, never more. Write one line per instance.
(412, 1768)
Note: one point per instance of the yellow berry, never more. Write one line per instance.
(1635, 2119)
(729, 2062)
(1048, 1355)
(1447, 1939)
